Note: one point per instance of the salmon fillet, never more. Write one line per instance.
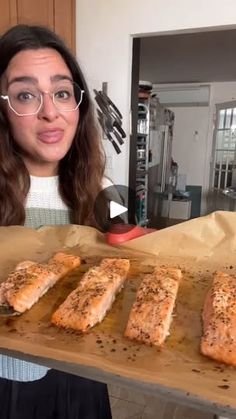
(89, 302)
(150, 317)
(219, 320)
(30, 281)
(9, 283)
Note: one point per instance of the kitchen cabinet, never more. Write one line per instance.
(58, 15)
(8, 15)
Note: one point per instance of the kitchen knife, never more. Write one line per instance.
(106, 107)
(111, 121)
(118, 137)
(116, 147)
(110, 103)
(101, 120)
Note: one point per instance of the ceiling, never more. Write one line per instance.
(189, 58)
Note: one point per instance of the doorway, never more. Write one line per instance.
(184, 64)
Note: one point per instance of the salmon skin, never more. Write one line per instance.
(150, 317)
(30, 281)
(89, 302)
(219, 320)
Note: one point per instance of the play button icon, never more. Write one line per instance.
(111, 212)
(111, 209)
(116, 209)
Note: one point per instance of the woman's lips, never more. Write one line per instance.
(51, 136)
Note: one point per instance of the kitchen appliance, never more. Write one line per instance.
(156, 172)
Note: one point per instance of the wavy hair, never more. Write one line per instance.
(80, 171)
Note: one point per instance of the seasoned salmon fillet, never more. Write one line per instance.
(150, 317)
(219, 320)
(30, 280)
(89, 302)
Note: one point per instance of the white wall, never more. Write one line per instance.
(193, 135)
(104, 46)
(190, 142)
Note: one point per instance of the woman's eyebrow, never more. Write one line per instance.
(28, 79)
(34, 80)
(59, 77)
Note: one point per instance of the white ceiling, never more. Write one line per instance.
(189, 58)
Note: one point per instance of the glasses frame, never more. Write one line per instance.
(6, 97)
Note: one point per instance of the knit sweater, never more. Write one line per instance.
(44, 206)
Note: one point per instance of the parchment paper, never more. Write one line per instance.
(198, 247)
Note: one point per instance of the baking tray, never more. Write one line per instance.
(177, 370)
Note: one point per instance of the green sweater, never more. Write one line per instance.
(43, 207)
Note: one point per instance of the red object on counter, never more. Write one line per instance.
(121, 233)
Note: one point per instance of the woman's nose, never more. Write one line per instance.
(48, 109)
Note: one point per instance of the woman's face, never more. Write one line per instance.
(44, 138)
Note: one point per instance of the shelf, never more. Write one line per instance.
(142, 180)
(142, 164)
(142, 112)
(140, 189)
(141, 172)
(143, 223)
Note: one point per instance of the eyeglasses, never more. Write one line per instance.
(25, 99)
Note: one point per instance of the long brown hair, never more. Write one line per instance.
(80, 171)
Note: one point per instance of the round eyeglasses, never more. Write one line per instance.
(25, 99)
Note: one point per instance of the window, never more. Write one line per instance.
(224, 147)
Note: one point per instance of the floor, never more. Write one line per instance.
(128, 404)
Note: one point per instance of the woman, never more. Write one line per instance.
(51, 170)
